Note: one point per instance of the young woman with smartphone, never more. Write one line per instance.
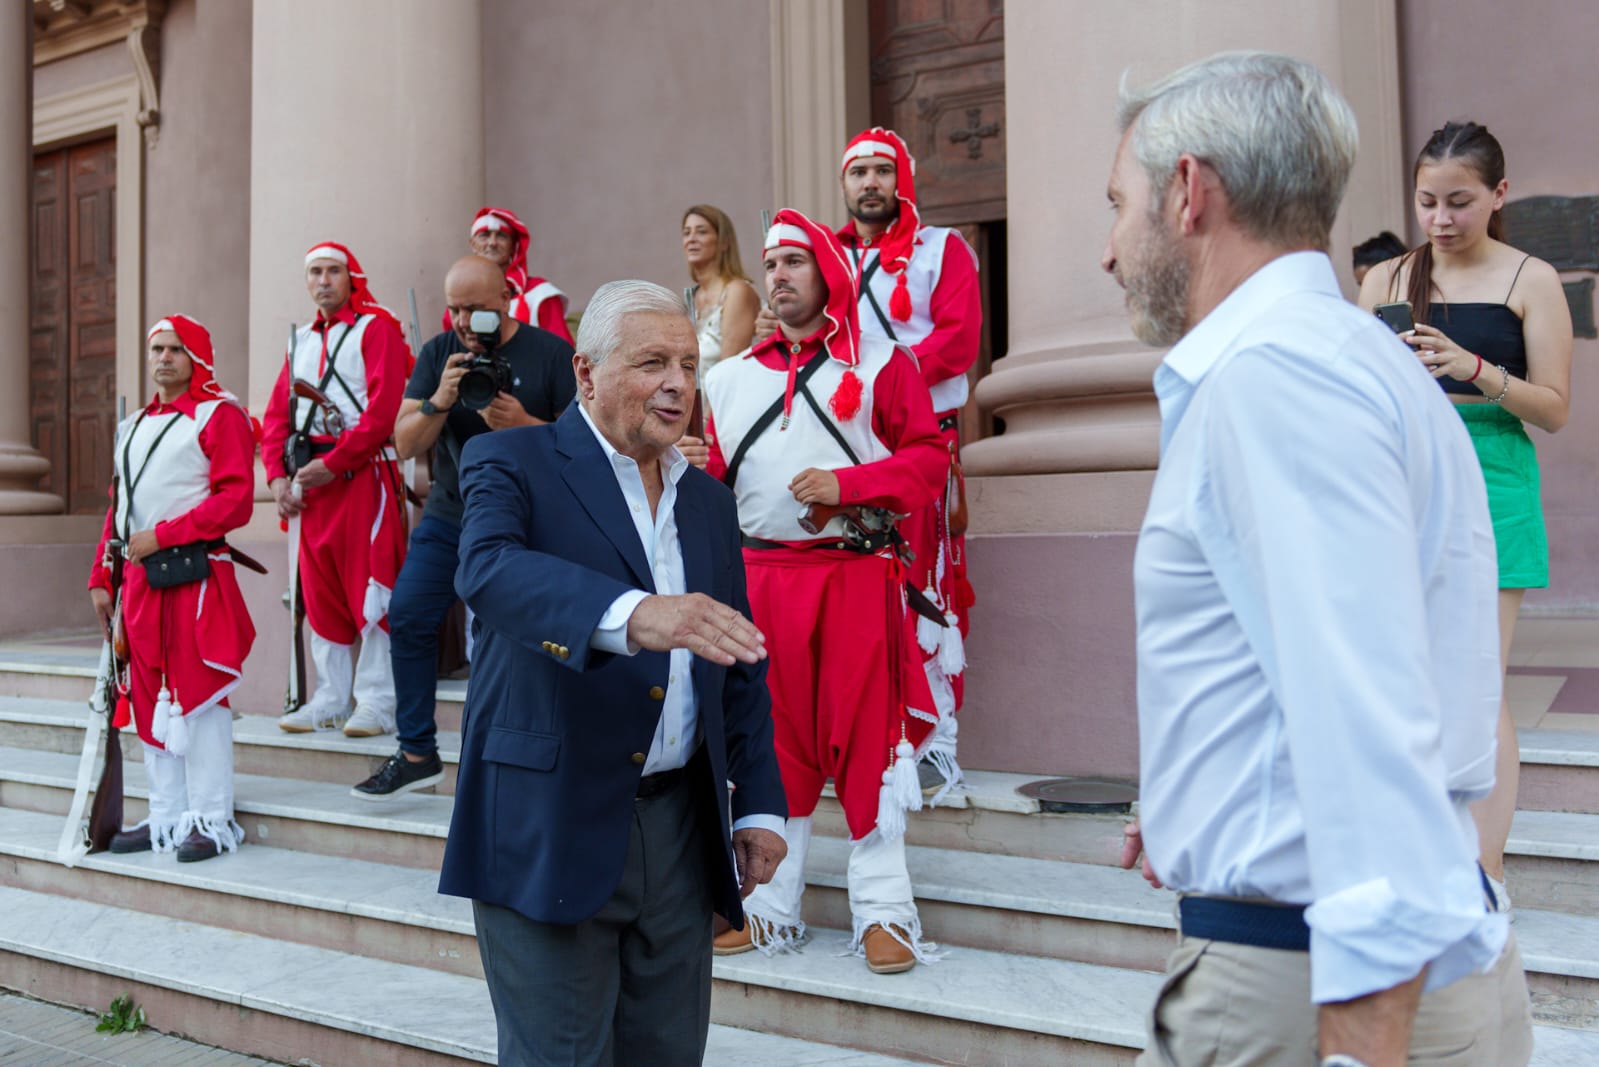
(1492, 325)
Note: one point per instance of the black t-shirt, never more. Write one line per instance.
(541, 378)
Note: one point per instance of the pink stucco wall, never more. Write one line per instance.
(197, 180)
(1542, 113)
(605, 121)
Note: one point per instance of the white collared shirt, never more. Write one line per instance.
(677, 735)
(1318, 641)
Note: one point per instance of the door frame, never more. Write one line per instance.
(90, 113)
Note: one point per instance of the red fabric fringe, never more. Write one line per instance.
(899, 303)
(846, 401)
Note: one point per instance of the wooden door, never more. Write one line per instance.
(938, 79)
(72, 351)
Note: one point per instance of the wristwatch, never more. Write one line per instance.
(1338, 1059)
(429, 408)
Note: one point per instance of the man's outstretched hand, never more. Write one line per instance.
(705, 626)
(757, 853)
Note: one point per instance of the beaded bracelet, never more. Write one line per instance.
(1501, 397)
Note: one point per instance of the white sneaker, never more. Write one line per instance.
(309, 718)
(369, 722)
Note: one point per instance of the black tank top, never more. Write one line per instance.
(1491, 331)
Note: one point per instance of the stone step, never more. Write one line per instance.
(980, 1008)
(1559, 770)
(1550, 857)
(259, 746)
(285, 813)
(1078, 912)
(68, 674)
(290, 1002)
(1104, 915)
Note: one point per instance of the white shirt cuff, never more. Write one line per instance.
(611, 634)
(1366, 938)
(761, 822)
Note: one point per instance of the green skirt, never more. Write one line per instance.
(1510, 467)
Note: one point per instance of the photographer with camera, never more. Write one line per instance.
(488, 372)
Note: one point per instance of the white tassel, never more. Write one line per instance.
(177, 731)
(163, 708)
(907, 783)
(890, 816)
(928, 634)
(907, 931)
(951, 649)
(770, 939)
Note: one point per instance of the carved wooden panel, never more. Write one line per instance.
(938, 78)
(72, 353)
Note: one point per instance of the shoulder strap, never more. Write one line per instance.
(768, 417)
(131, 478)
(1517, 278)
(866, 290)
(831, 426)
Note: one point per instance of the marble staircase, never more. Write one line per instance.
(323, 940)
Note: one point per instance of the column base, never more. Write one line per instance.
(21, 467)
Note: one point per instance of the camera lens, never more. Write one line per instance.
(477, 388)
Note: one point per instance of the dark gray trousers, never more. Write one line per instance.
(630, 986)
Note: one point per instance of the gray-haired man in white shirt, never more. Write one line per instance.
(1318, 676)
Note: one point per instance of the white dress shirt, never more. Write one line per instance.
(677, 735)
(1318, 642)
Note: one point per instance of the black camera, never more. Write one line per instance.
(486, 374)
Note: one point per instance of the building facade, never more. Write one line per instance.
(180, 155)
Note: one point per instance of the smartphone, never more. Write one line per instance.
(1397, 317)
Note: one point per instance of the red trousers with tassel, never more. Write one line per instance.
(844, 672)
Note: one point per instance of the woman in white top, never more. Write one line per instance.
(725, 302)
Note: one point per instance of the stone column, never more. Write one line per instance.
(821, 97)
(367, 129)
(21, 466)
(1057, 498)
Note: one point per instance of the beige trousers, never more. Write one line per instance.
(1227, 1005)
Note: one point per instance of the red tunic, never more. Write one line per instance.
(352, 531)
(843, 669)
(196, 635)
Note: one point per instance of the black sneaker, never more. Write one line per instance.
(400, 775)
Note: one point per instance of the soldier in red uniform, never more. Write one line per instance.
(183, 481)
(817, 414)
(345, 487)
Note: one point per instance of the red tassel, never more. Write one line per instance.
(124, 714)
(899, 303)
(846, 401)
(964, 595)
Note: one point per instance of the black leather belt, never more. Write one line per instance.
(655, 784)
(868, 545)
(949, 422)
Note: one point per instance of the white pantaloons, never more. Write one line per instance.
(879, 892)
(374, 674)
(194, 791)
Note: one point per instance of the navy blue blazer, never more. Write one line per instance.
(555, 733)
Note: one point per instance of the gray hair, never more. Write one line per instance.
(1281, 139)
(601, 325)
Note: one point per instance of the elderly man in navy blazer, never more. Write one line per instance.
(618, 686)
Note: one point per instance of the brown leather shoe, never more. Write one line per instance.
(731, 942)
(197, 847)
(884, 954)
